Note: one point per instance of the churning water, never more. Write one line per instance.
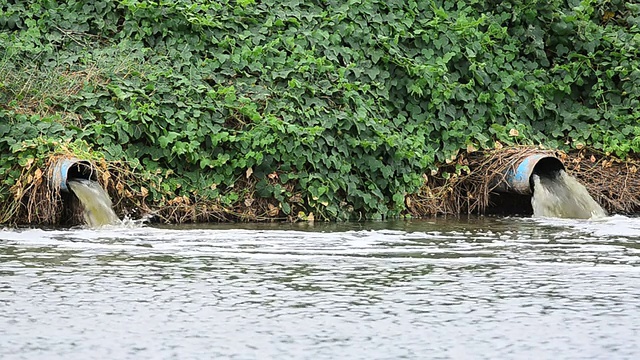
(96, 205)
(563, 196)
(478, 288)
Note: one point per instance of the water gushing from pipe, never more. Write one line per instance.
(96, 205)
(560, 195)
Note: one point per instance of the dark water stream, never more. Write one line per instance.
(486, 288)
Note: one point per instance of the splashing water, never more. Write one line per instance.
(561, 195)
(95, 202)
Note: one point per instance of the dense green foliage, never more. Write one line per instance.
(347, 103)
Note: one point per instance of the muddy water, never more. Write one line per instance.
(485, 288)
(563, 196)
(96, 205)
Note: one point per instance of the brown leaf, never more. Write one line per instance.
(471, 148)
(273, 210)
(38, 174)
(105, 178)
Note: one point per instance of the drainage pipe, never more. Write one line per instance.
(517, 177)
(66, 169)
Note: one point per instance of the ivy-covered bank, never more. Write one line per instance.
(255, 109)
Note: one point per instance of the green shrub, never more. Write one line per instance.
(347, 103)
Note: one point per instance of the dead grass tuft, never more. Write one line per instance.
(613, 183)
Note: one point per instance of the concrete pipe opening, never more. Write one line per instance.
(71, 168)
(517, 178)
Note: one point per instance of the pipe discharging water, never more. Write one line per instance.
(72, 175)
(96, 205)
(557, 194)
(554, 193)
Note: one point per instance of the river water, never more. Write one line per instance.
(478, 288)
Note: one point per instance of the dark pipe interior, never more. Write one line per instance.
(548, 167)
(72, 210)
(82, 170)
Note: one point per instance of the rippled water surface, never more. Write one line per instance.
(486, 288)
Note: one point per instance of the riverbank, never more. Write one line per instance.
(253, 111)
(466, 186)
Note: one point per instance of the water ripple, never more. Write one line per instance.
(478, 288)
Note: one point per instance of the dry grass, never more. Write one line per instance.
(436, 197)
(130, 193)
(613, 183)
(489, 169)
(185, 209)
(34, 90)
